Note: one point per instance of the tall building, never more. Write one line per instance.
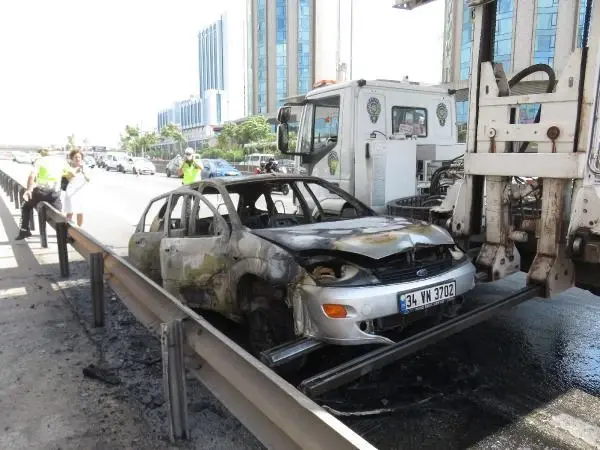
(221, 76)
(291, 44)
(280, 40)
(526, 32)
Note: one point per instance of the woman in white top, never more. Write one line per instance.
(75, 200)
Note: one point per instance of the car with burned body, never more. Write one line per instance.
(315, 264)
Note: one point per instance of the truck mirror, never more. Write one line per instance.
(284, 113)
(283, 137)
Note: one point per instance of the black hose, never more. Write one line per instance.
(549, 88)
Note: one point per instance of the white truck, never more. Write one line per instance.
(368, 136)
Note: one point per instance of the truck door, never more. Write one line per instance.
(321, 136)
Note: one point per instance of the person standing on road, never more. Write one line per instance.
(43, 185)
(190, 168)
(75, 193)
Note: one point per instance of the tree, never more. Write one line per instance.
(147, 140)
(134, 141)
(71, 142)
(172, 131)
(229, 136)
(254, 129)
(129, 139)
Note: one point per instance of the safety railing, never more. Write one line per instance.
(273, 410)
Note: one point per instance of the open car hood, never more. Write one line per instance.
(375, 237)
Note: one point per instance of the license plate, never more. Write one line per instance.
(426, 297)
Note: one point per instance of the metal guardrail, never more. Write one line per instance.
(279, 415)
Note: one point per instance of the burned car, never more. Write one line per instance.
(314, 264)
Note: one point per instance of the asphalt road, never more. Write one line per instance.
(529, 378)
(117, 200)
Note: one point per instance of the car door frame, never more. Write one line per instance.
(144, 246)
(181, 256)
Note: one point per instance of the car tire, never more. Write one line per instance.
(270, 323)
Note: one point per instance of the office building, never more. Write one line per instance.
(222, 79)
(526, 32)
(293, 43)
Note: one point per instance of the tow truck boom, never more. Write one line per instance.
(566, 163)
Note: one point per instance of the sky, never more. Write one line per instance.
(90, 67)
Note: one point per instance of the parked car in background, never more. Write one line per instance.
(23, 157)
(89, 161)
(113, 159)
(173, 166)
(218, 168)
(136, 165)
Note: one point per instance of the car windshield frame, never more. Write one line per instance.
(306, 201)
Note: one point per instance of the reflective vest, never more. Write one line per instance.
(49, 172)
(190, 172)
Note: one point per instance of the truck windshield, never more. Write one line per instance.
(320, 125)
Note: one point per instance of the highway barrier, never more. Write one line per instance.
(272, 409)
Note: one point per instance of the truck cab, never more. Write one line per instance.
(367, 136)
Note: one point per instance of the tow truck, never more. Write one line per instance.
(563, 230)
(357, 134)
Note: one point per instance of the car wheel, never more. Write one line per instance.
(285, 190)
(168, 172)
(107, 169)
(270, 323)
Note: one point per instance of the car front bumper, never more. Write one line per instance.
(364, 305)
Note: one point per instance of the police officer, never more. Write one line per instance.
(190, 167)
(43, 185)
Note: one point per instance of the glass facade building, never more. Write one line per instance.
(466, 42)
(261, 70)
(304, 47)
(545, 32)
(282, 60)
(503, 35)
(210, 56)
(281, 51)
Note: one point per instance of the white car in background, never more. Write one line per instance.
(136, 165)
(113, 159)
(23, 157)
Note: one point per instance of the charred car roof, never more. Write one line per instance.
(262, 178)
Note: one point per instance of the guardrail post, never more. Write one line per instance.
(63, 254)
(97, 279)
(18, 198)
(42, 224)
(174, 379)
(31, 221)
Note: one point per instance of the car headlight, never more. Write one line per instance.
(328, 270)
